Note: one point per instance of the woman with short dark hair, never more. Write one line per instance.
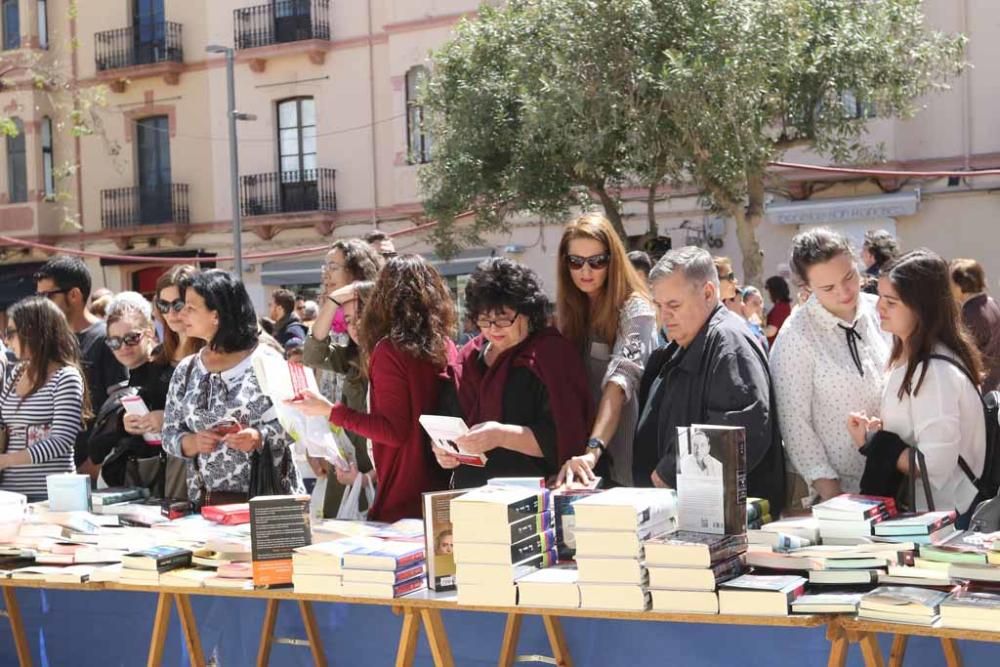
(43, 401)
(406, 349)
(217, 417)
(980, 314)
(521, 386)
(781, 307)
(931, 401)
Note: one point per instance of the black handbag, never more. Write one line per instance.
(265, 479)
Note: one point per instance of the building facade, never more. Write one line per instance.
(335, 145)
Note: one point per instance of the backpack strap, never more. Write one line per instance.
(975, 385)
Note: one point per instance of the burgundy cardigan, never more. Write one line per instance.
(401, 388)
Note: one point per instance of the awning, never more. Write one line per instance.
(833, 211)
(308, 272)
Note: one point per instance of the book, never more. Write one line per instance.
(970, 609)
(827, 603)
(616, 543)
(107, 573)
(378, 590)
(847, 527)
(317, 584)
(36, 572)
(157, 559)
(404, 530)
(117, 495)
(134, 405)
(758, 508)
(611, 571)
(501, 593)
(975, 572)
(852, 506)
(711, 479)
(328, 557)
(844, 577)
(760, 595)
(188, 577)
(139, 577)
(961, 547)
(902, 603)
(440, 539)
(691, 579)
(685, 548)
(68, 492)
(278, 526)
(804, 527)
(227, 515)
(385, 576)
(387, 556)
(551, 587)
(526, 482)
(483, 573)
(614, 597)
(482, 552)
(516, 531)
(443, 432)
(916, 524)
(228, 583)
(777, 541)
(565, 520)
(626, 509)
(684, 602)
(495, 507)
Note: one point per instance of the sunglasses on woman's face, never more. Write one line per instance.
(131, 339)
(596, 262)
(177, 305)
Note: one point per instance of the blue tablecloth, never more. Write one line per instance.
(105, 628)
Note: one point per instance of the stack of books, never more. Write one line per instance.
(610, 530)
(685, 569)
(144, 568)
(113, 499)
(758, 513)
(556, 586)
(851, 518)
(318, 569)
(784, 534)
(902, 604)
(760, 595)
(970, 609)
(501, 533)
(389, 569)
(923, 528)
(832, 564)
(833, 602)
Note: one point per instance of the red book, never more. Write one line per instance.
(227, 515)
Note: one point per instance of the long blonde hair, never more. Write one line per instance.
(623, 282)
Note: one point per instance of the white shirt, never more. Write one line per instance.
(817, 384)
(944, 420)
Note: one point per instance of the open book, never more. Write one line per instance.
(444, 431)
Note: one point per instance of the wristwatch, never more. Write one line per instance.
(596, 444)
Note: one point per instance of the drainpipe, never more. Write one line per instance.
(966, 92)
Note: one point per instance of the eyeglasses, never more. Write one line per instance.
(177, 305)
(10, 333)
(332, 266)
(131, 339)
(485, 323)
(51, 293)
(595, 262)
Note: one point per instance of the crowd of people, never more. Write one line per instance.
(868, 378)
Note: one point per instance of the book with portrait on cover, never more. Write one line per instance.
(712, 479)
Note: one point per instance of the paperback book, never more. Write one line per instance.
(278, 526)
(711, 479)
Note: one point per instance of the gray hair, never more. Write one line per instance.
(310, 309)
(694, 263)
(127, 303)
(750, 290)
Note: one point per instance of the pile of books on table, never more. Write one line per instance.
(685, 569)
(501, 534)
(146, 567)
(610, 530)
(834, 565)
(851, 518)
(389, 569)
(903, 604)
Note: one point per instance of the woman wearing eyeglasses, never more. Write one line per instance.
(43, 400)
(121, 438)
(521, 385)
(169, 304)
(604, 309)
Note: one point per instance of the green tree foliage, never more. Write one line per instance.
(543, 105)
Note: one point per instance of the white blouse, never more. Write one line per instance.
(944, 420)
(817, 385)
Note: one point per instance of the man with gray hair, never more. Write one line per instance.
(712, 372)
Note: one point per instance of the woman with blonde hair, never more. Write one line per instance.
(604, 309)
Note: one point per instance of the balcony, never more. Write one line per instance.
(284, 26)
(278, 193)
(145, 50)
(126, 208)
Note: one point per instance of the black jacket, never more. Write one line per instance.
(722, 378)
(288, 328)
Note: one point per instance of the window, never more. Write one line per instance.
(153, 169)
(48, 165)
(43, 24)
(17, 172)
(418, 139)
(11, 24)
(297, 139)
(855, 108)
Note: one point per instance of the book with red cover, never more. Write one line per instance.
(227, 515)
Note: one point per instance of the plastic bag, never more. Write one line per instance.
(316, 499)
(350, 502)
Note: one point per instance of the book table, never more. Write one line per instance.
(864, 632)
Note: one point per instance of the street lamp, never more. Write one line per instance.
(234, 159)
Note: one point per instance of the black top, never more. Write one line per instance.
(101, 369)
(289, 328)
(721, 378)
(525, 403)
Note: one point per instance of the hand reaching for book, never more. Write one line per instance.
(579, 470)
(481, 438)
(310, 404)
(445, 459)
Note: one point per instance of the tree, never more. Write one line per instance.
(545, 104)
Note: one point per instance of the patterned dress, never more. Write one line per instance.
(199, 399)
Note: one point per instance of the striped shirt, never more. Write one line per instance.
(46, 423)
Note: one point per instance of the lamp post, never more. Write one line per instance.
(234, 158)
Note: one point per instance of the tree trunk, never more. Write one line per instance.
(611, 211)
(651, 210)
(747, 221)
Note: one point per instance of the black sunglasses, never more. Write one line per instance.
(595, 261)
(177, 305)
(52, 292)
(131, 339)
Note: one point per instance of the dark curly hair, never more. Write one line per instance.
(499, 283)
(227, 296)
(360, 259)
(412, 307)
